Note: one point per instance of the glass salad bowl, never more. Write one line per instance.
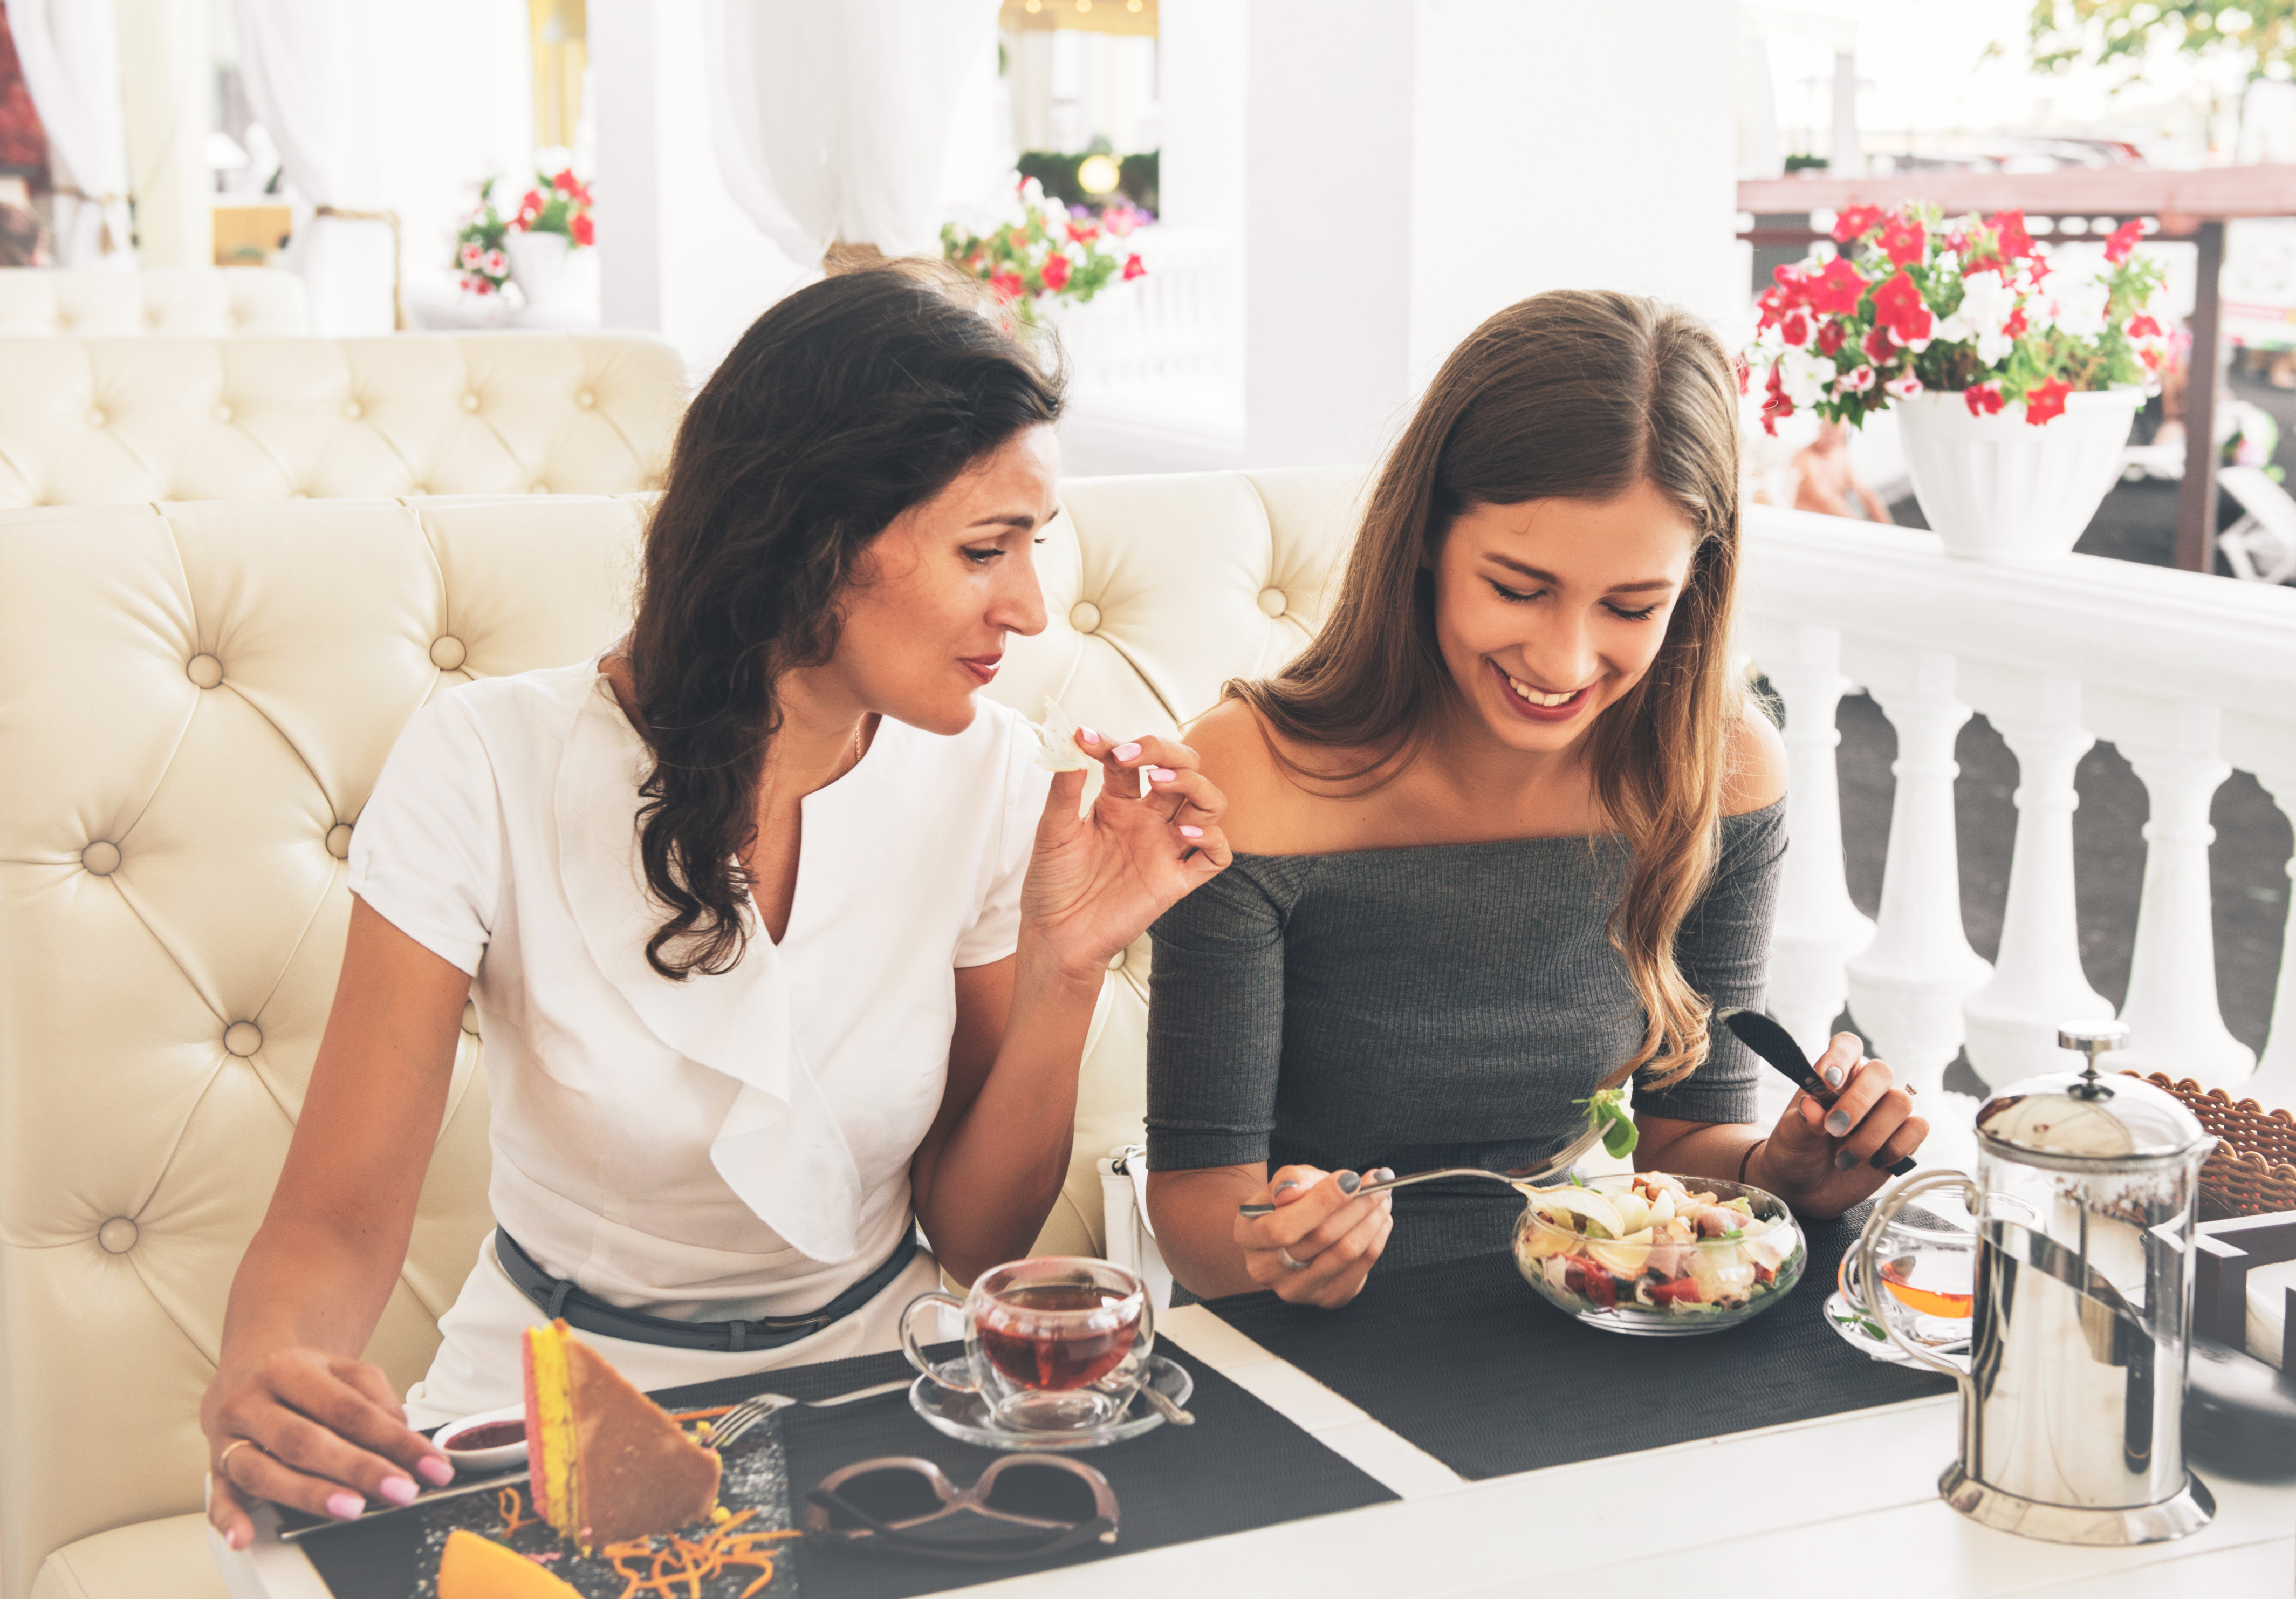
(1648, 1252)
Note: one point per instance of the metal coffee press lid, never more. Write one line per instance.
(2083, 1121)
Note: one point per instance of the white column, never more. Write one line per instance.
(2273, 1085)
(2038, 979)
(1907, 987)
(2175, 1025)
(1819, 928)
(675, 255)
(167, 79)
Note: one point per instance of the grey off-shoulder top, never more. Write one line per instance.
(1433, 1005)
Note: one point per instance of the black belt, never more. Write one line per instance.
(559, 1299)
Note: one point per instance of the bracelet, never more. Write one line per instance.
(1747, 1159)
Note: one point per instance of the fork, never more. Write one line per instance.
(728, 1428)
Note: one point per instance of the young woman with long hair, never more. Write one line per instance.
(1506, 828)
(781, 943)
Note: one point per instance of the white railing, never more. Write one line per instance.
(1165, 352)
(2192, 677)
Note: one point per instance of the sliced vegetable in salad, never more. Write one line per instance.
(1655, 1243)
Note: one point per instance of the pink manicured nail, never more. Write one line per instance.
(398, 1490)
(1087, 735)
(1162, 773)
(1192, 832)
(344, 1506)
(436, 1472)
(1125, 751)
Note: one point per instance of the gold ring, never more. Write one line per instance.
(222, 1461)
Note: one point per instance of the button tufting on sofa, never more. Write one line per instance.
(470, 402)
(101, 857)
(96, 419)
(586, 399)
(352, 410)
(242, 1038)
(1084, 617)
(204, 670)
(539, 488)
(223, 412)
(338, 840)
(1272, 602)
(447, 653)
(117, 1235)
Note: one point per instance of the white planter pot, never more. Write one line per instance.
(1997, 487)
(538, 266)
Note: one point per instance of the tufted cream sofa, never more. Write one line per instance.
(187, 302)
(195, 701)
(96, 422)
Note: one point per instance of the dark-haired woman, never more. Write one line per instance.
(1505, 828)
(781, 943)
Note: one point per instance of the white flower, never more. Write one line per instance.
(2079, 308)
(1904, 386)
(1985, 306)
(1857, 380)
(1804, 377)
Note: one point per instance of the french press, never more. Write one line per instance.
(2072, 1392)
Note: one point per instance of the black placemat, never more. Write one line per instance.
(1466, 1361)
(1241, 1465)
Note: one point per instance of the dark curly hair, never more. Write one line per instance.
(842, 406)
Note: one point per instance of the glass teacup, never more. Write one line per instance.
(1056, 1344)
(1927, 1262)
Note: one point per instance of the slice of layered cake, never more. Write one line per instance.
(607, 1463)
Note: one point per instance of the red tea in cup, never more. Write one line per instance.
(1056, 1336)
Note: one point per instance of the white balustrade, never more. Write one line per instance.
(2191, 677)
(2037, 981)
(1161, 358)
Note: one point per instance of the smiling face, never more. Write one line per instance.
(1549, 612)
(934, 597)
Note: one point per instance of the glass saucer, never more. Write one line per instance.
(965, 1415)
(1860, 1332)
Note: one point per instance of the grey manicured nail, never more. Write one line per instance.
(1385, 1174)
(1838, 1123)
(1845, 1160)
(1834, 1076)
(1348, 1182)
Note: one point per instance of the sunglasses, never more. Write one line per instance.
(1024, 1505)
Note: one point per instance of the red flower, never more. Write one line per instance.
(2010, 236)
(1898, 306)
(1056, 272)
(1774, 403)
(2016, 327)
(1794, 329)
(1084, 230)
(2141, 326)
(1878, 348)
(1904, 240)
(1745, 374)
(1830, 338)
(1856, 220)
(1984, 399)
(586, 232)
(2046, 401)
(1133, 268)
(1007, 285)
(532, 204)
(1836, 291)
(566, 181)
(2122, 239)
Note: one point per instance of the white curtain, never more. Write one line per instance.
(70, 56)
(834, 122)
(309, 67)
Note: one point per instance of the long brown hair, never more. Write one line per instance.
(1564, 395)
(843, 405)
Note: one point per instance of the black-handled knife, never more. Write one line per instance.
(1776, 1046)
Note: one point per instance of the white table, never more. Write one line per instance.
(1842, 1508)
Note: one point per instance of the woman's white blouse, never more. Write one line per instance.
(731, 1146)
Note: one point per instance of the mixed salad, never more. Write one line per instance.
(1655, 1243)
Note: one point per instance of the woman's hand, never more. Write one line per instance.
(1099, 879)
(1822, 1162)
(1320, 1243)
(323, 1435)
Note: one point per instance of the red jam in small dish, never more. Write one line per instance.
(494, 1435)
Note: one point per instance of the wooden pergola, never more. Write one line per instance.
(2183, 205)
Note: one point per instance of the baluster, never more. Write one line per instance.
(1907, 989)
(2175, 1025)
(2273, 1085)
(2038, 981)
(1818, 928)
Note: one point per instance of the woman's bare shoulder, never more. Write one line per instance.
(1268, 813)
(1754, 764)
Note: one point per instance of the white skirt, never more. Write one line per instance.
(479, 1364)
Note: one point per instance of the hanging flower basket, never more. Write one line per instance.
(2015, 386)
